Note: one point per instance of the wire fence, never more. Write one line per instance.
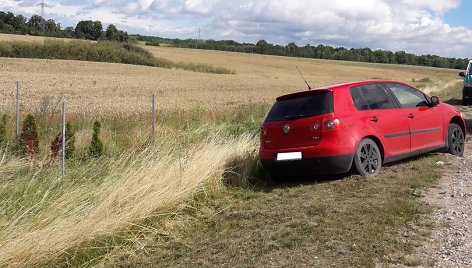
(63, 122)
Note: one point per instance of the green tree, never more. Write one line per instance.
(90, 30)
(35, 24)
(96, 146)
(111, 33)
(401, 57)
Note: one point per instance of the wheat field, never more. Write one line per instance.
(103, 88)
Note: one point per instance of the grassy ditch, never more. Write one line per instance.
(103, 51)
(340, 222)
(195, 194)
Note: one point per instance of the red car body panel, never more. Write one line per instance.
(400, 132)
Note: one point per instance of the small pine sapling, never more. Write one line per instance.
(29, 142)
(56, 144)
(96, 146)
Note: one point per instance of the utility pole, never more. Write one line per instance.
(199, 36)
(42, 5)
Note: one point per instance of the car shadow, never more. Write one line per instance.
(296, 181)
(468, 123)
(454, 102)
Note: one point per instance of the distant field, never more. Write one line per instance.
(116, 88)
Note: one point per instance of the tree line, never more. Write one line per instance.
(38, 26)
(93, 30)
(316, 52)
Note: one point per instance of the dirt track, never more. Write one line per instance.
(450, 244)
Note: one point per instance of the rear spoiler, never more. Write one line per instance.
(303, 93)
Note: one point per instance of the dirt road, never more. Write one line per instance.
(450, 244)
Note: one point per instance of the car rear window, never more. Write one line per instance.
(301, 107)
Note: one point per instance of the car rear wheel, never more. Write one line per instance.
(368, 159)
(455, 140)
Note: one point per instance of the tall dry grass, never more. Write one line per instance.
(136, 186)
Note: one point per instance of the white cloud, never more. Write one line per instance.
(415, 26)
(200, 6)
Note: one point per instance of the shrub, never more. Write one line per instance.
(29, 142)
(96, 146)
(3, 130)
(56, 144)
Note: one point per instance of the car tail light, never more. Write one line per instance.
(332, 123)
(263, 132)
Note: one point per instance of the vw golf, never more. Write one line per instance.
(358, 125)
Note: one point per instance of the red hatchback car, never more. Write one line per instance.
(357, 125)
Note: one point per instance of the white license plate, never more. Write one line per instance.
(289, 156)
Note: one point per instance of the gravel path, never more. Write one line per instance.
(450, 244)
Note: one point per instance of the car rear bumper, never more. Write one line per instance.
(325, 165)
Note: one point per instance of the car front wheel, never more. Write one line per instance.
(455, 140)
(368, 159)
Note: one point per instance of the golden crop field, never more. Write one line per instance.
(118, 88)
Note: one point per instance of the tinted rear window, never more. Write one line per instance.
(301, 107)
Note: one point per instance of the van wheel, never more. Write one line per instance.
(368, 159)
(455, 140)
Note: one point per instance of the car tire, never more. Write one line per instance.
(367, 158)
(455, 140)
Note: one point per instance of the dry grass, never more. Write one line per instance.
(29, 38)
(137, 186)
(106, 88)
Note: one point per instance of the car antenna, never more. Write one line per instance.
(309, 87)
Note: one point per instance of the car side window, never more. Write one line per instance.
(408, 96)
(373, 97)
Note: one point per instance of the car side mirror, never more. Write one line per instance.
(435, 100)
(462, 74)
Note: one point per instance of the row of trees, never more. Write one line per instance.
(36, 25)
(318, 52)
(93, 30)
(310, 51)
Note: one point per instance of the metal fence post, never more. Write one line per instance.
(153, 113)
(17, 136)
(63, 168)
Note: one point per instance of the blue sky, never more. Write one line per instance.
(461, 16)
(441, 27)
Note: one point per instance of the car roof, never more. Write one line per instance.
(331, 88)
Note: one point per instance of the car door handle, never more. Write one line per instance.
(374, 119)
(411, 116)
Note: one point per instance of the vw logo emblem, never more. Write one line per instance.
(286, 129)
